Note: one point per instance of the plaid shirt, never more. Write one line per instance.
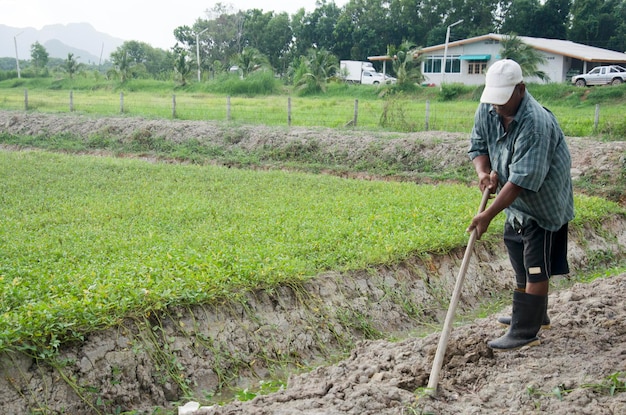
(533, 154)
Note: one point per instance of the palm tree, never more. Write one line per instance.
(406, 64)
(121, 64)
(314, 70)
(528, 58)
(71, 65)
(182, 63)
(249, 60)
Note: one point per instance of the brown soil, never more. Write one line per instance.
(136, 367)
(567, 374)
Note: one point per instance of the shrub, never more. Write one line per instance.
(257, 83)
(606, 93)
(449, 92)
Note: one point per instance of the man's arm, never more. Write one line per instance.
(505, 197)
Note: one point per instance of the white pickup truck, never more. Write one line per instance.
(601, 75)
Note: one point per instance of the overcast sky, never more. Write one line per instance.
(149, 21)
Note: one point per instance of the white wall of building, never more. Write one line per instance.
(555, 65)
(480, 48)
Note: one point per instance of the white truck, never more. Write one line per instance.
(360, 73)
(601, 75)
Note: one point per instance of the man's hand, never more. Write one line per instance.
(480, 224)
(488, 181)
(507, 195)
(487, 178)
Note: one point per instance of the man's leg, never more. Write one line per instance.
(530, 306)
(538, 288)
(515, 246)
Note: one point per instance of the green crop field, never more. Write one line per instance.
(87, 241)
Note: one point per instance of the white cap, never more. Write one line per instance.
(502, 77)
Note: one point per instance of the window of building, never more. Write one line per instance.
(432, 64)
(453, 64)
(476, 67)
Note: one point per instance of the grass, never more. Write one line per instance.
(261, 101)
(418, 115)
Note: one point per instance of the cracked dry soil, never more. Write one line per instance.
(121, 369)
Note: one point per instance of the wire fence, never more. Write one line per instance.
(391, 114)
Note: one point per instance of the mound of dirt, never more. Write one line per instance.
(591, 159)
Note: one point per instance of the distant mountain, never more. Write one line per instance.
(81, 39)
(58, 49)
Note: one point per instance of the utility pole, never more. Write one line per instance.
(17, 59)
(445, 51)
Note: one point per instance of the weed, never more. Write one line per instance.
(395, 115)
(559, 392)
(532, 391)
(356, 320)
(611, 385)
(263, 388)
(157, 345)
(615, 130)
(402, 295)
(601, 259)
(419, 406)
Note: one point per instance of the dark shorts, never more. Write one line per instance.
(536, 252)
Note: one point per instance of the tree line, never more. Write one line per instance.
(365, 28)
(226, 39)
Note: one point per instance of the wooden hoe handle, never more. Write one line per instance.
(447, 325)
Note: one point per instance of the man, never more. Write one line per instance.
(520, 153)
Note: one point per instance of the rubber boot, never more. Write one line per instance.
(521, 286)
(528, 312)
(545, 323)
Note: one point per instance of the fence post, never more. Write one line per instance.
(289, 111)
(26, 100)
(228, 108)
(356, 112)
(427, 124)
(596, 120)
(121, 102)
(71, 101)
(173, 105)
